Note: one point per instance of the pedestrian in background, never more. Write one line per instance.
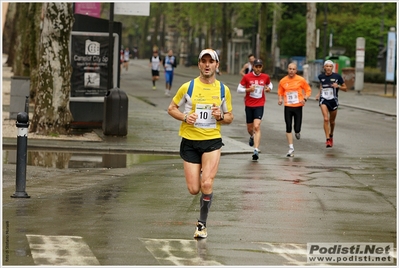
(293, 91)
(330, 84)
(121, 58)
(126, 57)
(247, 67)
(206, 105)
(169, 64)
(155, 64)
(254, 85)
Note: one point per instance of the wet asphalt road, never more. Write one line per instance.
(263, 212)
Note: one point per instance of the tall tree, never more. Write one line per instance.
(157, 10)
(275, 35)
(8, 31)
(20, 40)
(23, 34)
(311, 32)
(263, 18)
(226, 30)
(51, 113)
(35, 12)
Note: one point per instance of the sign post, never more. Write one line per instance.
(359, 68)
(391, 58)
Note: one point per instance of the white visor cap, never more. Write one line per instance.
(210, 52)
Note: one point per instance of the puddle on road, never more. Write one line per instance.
(64, 160)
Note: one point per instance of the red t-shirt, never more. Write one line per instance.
(256, 98)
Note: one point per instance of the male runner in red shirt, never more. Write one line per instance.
(254, 85)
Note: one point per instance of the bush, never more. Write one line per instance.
(373, 75)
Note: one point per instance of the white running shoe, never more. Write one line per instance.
(200, 231)
(290, 152)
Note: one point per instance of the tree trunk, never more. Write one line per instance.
(263, 18)
(19, 50)
(11, 27)
(311, 32)
(226, 33)
(157, 15)
(8, 30)
(51, 114)
(145, 50)
(276, 20)
(35, 11)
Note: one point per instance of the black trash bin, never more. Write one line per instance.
(115, 113)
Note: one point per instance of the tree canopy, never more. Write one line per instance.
(345, 21)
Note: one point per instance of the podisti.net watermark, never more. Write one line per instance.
(354, 253)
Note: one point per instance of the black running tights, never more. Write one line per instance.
(296, 113)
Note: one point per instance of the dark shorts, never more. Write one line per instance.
(155, 73)
(254, 113)
(191, 151)
(332, 105)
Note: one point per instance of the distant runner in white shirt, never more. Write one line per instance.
(155, 63)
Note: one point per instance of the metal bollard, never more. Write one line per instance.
(22, 149)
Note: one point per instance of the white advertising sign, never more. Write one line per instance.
(391, 57)
(360, 58)
(134, 9)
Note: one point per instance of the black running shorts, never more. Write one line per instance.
(191, 150)
(253, 113)
(155, 72)
(332, 105)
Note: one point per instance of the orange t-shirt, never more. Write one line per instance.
(292, 89)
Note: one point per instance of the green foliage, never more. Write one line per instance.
(353, 27)
(53, 134)
(291, 10)
(373, 75)
(247, 16)
(292, 37)
(347, 21)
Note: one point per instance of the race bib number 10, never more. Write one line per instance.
(205, 118)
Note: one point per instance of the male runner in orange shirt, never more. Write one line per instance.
(291, 91)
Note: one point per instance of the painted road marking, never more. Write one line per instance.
(288, 251)
(179, 251)
(60, 250)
